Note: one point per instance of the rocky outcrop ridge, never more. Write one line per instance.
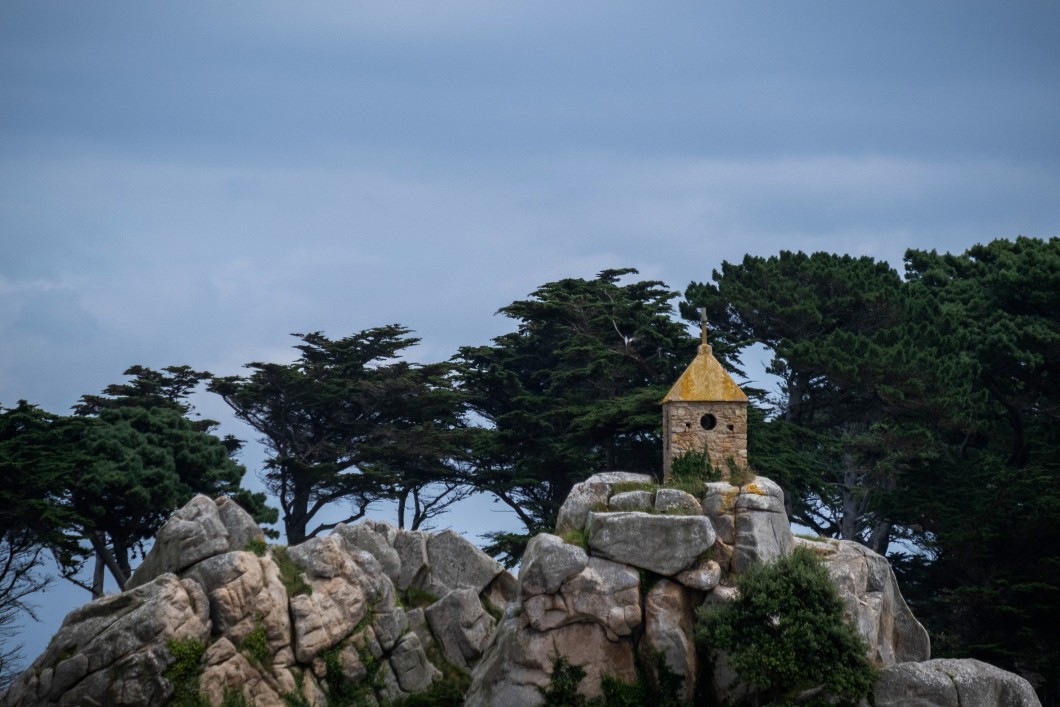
(650, 557)
(952, 683)
(873, 602)
(371, 614)
(370, 609)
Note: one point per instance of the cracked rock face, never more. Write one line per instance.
(200, 585)
(663, 544)
(952, 683)
(632, 590)
(114, 650)
(873, 602)
(750, 521)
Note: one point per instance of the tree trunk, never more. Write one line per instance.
(98, 577)
(103, 552)
(880, 538)
(848, 523)
(403, 499)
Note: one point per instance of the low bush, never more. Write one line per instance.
(184, 672)
(785, 633)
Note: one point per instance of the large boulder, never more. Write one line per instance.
(592, 495)
(750, 521)
(461, 625)
(230, 671)
(659, 543)
(245, 593)
(547, 563)
(668, 630)
(604, 592)
(411, 548)
(519, 661)
(114, 650)
(456, 563)
(952, 683)
(412, 670)
(873, 602)
(194, 533)
(345, 586)
(377, 539)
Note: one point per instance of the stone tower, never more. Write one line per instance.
(705, 411)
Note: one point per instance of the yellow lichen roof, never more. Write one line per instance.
(705, 379)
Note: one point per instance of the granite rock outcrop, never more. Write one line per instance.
(376, 614)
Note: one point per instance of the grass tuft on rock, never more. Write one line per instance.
(184, 672)
(291, 576)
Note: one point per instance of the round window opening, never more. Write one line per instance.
(708, 422)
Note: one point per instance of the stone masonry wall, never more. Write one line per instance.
(683, 432)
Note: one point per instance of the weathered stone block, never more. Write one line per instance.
(592, 495)
(548, 562)
(662, 544)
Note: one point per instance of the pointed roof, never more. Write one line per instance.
(705, 380)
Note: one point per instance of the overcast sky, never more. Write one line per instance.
(190, 182)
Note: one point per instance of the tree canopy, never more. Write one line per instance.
(917, 415)
(349, 423)
(922, 409)
(102, 482)
(574, 390)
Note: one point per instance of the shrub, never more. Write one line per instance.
(656, 684)
(785, 633)
(343, 692)
(562, 689)
(183, 673)
(447, 691)
(690, 470)
(256, 645)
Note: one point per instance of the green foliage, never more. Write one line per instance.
(296, 697)
(833, 325)
(576, 536)
(349, 422)
(786, 633)
(116, 471)
(624, 486)
(234, 697)
(574, 390)
(291, 575)
(562, 688)
(184, 672)
(419, 598)
(987, 494)
(693, 466)
(447, 691)
(256, 645)
(656, 684)
(343, 692)
(507, 547)
(691, 471)
(741, 476)
(258, 547)
(924, 409)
